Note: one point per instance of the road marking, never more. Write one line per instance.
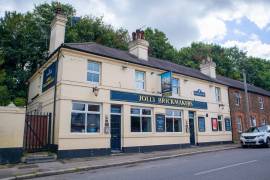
(224, 167)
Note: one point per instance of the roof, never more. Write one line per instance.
(165, 65)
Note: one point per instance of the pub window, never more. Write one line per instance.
(85, 118)
(173, 121)
(261, 105)
(140, 80)
(218, 94)
(237, 99)
(239, 124)
(93, 72)
(220, 123)
(175, 86)
(141, 119)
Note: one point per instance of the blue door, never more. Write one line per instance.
(115, 128)
(191, 127)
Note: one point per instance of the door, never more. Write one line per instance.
(116, 127)
(191, 127)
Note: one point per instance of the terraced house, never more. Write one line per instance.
(107, 100)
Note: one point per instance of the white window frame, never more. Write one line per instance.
(238, 98)
(261, 103)
(174, 117)
(253, 122)
(93, 72)
(239, 124)
(86, 112)
(141, 116)
(140, 81)
(177, 87)
(218, 94)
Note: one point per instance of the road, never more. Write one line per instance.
(238, 164)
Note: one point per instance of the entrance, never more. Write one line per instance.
(191, 127)
(115, 127)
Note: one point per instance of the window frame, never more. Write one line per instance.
(141, 115)
(218, 94)
(174, 117)
(85, 112)
(261, 102)
(239, 122)
(177, 86)
(94, 72)
(237, 98)
(140, 81)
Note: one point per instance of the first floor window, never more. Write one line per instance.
(93, 72)
(141, 120)
(173, 120)
(140, 80)
(85, 118)
(239, 124)
(237, 99)
(261, 105)
(218, 94)
(175, 87)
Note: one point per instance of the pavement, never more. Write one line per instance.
(233, 164)
(28, 171)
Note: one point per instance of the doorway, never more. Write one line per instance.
(116, 127)
(191, 116)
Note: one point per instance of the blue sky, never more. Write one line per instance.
(241, 23)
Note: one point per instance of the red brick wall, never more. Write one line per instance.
(240, 111)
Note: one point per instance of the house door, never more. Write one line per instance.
(191, 127)
(115, 127)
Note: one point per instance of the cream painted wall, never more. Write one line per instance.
(11, 127)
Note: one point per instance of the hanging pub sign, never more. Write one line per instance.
(166, 83)
(214, 124)
(160, 123)
(49, 77)
(199, 92)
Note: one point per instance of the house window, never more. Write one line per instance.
(253, 122)
(85, 118)
(264, 122)
(140, 80)
(141, 119)
(218, 94)
(261, 103)
(175, 86)
(93, 72)
(239, 124)
(173, 120)
(220, 123)
(237, 99)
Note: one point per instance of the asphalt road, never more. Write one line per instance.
(238, 164)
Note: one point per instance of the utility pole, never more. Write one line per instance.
(246, 98)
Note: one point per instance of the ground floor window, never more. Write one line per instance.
(253, 122)
(141, 119)
(173, 119)
(85, 117)
(239, 124)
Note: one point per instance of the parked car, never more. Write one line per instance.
(259, 136)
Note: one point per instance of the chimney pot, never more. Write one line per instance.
(139, 46)
(208, 67)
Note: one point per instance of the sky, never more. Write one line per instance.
(241, 23)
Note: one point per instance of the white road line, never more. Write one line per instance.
(224, 167)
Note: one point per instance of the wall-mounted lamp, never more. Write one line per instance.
(95, 90)
(185, 80)
(221, 106)
(124, 68)
(152, 73)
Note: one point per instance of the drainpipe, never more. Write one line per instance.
(246, 96)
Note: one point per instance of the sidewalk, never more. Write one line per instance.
(24, 171)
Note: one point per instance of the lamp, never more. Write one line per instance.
(124, 67)
(221, 106)
(95, 90)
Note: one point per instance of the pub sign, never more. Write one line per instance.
(166, 83)
(49, 77)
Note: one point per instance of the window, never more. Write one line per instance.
(239, 124)
(220, 123)
(93, 72)
(237, 99)
(173, 121)
(140, 80)
(85, 118)
(261, 103)
(218, 94)
(141, 119)
(263, 122)
(253, 122)
(175, 86)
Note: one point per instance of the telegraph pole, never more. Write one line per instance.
(246, 97)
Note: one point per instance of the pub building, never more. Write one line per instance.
(106, 100)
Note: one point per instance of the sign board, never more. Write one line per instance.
(199, 92)
(158, 100)
(49, 77)
(166, 83)
(228, 125)
(201, 123)
(160, 123)
(214, 124)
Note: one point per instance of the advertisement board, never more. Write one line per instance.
(49, 77)
(214, 124)
(201, 123)
(160, 123)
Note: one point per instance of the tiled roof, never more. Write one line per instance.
(165, 65)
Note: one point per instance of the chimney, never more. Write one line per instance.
(208, 67)
(58, 26)
(139, 46)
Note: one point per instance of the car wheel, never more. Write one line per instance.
(244, 146)
(268, 143)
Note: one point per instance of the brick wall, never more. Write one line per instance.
(240, 111)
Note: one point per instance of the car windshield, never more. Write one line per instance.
(257, 129)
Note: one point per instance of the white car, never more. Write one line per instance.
(256, 136)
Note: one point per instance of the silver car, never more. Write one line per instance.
(256, 136)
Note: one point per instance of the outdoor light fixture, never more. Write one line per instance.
(221, 106)
(185, 80)
(152, 73)
(124, 67)
(95, 90)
